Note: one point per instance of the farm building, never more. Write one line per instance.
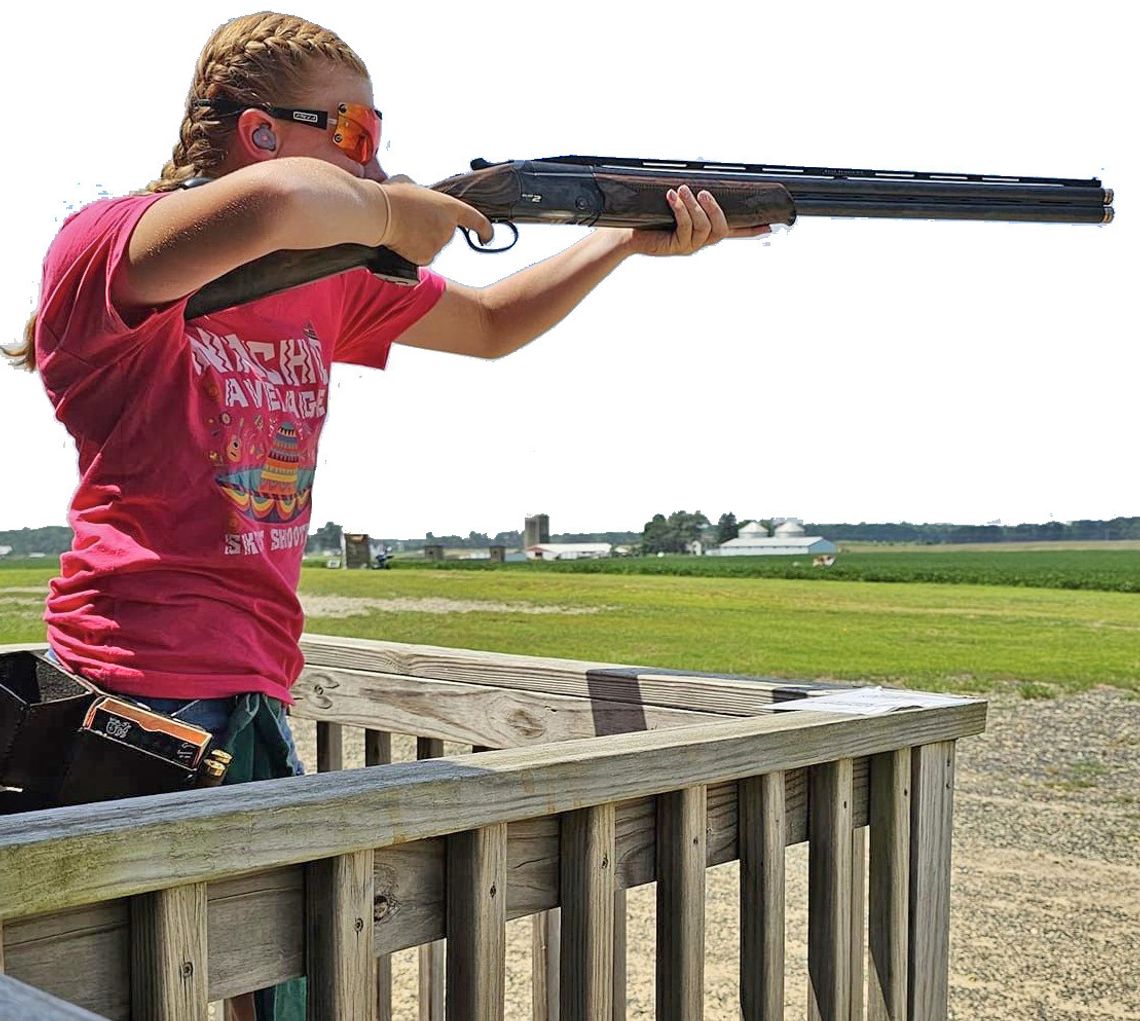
(568, 550)
(789, 540)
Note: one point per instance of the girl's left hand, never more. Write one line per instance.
(700, 223)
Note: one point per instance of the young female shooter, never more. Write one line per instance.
(197, 441)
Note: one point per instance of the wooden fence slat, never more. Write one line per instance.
(763, 836)
(432, 980)
(330, 747)
(377, 747)
(889, 886)
(621, 916)
(168, 954)
(681, 854)
(378, 752)
(479, 714)
(681, 689)
(432, 956)
(931, 827)
(546, 955)
(19, 1002)
(589, 862)
(339, 955)
(829, 891)
(858, 921)
(477, 924)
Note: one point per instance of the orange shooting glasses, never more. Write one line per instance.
(356, 131)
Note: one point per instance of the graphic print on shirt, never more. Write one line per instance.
(270, 399)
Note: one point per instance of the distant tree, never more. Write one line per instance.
(727, 528)
(672, 534)
(50, 540)
(330, 537)
(655, 537)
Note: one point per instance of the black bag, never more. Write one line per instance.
(41, 709)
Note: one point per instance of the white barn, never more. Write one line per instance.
(789, 540)
(568, 550)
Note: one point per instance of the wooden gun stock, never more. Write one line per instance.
(611, 192)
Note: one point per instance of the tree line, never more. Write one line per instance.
(933, 534)
(675, 533)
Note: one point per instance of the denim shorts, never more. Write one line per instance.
(214, 715)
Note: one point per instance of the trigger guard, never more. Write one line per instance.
(476, 245)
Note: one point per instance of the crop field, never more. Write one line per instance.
(963, 637)
(1115, 570)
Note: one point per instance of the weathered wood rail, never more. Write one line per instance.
(154, 907)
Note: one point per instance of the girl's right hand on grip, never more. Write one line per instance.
(421, 221)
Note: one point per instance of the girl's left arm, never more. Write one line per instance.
(496, 320)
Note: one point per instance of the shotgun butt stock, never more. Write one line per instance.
(280, 271)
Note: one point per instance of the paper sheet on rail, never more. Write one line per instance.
(870, 701)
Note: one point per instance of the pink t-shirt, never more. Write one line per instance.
(197, 444)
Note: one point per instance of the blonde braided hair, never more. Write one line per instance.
(255, 59)
(252, 60)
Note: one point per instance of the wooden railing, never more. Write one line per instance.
(152, 908)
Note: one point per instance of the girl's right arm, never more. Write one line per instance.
(195, 235)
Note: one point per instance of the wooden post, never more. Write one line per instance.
(858, 920)
(681, 860)
(588, 864)
(890, 884)
(378, 752)
(339, 956)
(377, 747)
(477, 924)
(168, 954)
(546, 954)
(433, 956)
(330, 747)
(763, 837)
(620, 916)
(829, 891)
(931, 828)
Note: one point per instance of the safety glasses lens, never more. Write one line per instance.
(357, 131)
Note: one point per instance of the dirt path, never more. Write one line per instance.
(1046, 879)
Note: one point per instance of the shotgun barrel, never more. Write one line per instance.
(622, 192)
(941, 195)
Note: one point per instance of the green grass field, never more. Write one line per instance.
(939, 636)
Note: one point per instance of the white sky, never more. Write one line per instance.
(851, 370)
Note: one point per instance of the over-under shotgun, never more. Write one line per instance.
(615, 192)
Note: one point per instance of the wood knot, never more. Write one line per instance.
(187, 969)
(526, 724)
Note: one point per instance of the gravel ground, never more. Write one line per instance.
(1046, 879)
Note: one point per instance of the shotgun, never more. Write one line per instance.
(615, 192)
